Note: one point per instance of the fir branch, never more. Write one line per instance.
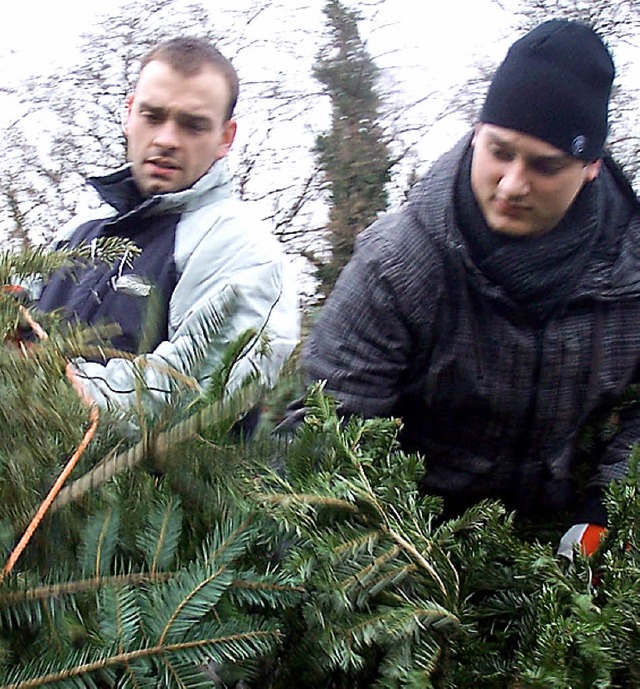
(99, 542)
(45, 592)
(196, 596)
(40, 260)
(423, 563)
(243, 641)
(161, 537)
(307, 500)
(362, 576)
(385, 580)
(229, 541)
(232, 354)
(120, 623)
(157, 445)
(359, 542)
(266, 587)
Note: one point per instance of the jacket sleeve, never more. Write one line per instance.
(252, 283)
(373, 326)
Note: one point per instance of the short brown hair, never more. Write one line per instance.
(189, 56)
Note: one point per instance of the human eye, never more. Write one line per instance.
(151, 115)
(195, 125)
(546, 167)
(500, 153)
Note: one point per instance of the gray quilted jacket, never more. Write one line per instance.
(494, 401)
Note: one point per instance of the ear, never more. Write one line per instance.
(591, 170)
(128, 105)
(226, 139)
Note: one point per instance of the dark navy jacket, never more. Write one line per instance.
(121, 293)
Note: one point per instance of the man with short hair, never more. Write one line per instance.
(203, 252)
(497, 312)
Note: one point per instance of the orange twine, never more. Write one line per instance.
(60, 481)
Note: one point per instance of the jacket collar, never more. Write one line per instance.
(120, 191)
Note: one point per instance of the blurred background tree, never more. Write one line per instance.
(353, 157)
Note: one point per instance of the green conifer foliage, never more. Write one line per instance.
(142, 572)
(180, 556)
(399, 597)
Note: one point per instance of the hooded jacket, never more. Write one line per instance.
(493, 400)
(202, 252)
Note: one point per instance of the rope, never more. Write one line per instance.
(69, 467)
(155, 446)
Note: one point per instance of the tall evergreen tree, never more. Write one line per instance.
(353, 156)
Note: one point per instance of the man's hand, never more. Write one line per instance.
(587, 536)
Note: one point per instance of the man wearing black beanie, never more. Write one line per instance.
(497, 312)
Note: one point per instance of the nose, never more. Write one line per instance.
(515, 180)
(167, 135)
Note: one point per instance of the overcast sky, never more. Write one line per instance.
(443, 37)
(422, 46)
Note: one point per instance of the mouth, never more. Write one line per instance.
(509, 208)
(161, 165)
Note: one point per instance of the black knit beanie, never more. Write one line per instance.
(554, 84)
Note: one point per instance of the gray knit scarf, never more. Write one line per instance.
(538, 272)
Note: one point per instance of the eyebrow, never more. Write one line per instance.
(145, 105)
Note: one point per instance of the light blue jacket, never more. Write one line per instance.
(226, 259)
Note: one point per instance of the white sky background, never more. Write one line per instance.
(422, 46)
(40, 33)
